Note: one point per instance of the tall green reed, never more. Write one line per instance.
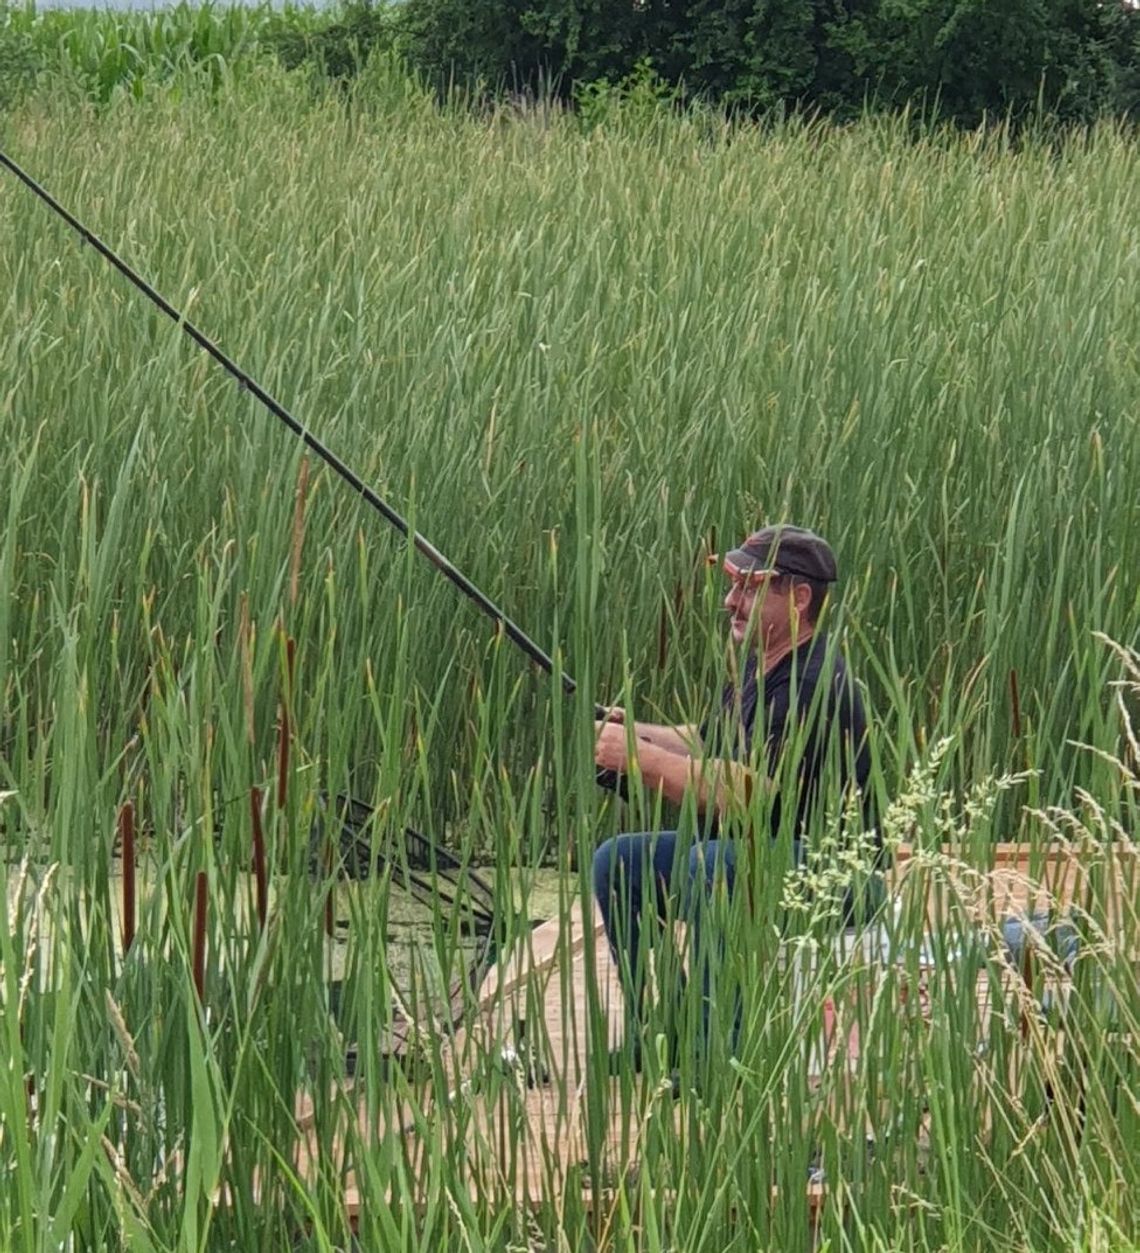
(578, 364)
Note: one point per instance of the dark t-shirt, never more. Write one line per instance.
(811, 688)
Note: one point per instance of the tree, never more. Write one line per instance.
(972, 59)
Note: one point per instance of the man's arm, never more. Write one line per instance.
(682, 741)
(674, 739)
(721, 785)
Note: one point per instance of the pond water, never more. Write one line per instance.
(35, 894)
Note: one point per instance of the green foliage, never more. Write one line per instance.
(104, 53)
(20, 61)
(453, 43)
(965, 60)
(340, 46)
(761, 54)
(639, 100)
(108, 52)
(976, 59)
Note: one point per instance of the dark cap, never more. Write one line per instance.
(786, 549)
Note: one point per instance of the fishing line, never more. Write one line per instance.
(514, 632)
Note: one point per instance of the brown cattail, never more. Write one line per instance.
(1016, 704)
(127, 835)
(198, 943)
(259, 876)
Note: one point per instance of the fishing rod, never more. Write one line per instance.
(514, 632)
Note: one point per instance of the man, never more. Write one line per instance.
(793, 713)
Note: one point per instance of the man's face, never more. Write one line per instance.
(761, 609)
(756, 608)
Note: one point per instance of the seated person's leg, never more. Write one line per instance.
(710, 864)
(632, 875)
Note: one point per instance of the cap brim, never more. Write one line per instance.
(738, 561)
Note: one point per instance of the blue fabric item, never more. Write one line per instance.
(635, 876)
(1060, 937)
(642, 879)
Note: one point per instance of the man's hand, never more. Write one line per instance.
(609, 748)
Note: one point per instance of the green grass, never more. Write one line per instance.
(101, 53)
(577, 363)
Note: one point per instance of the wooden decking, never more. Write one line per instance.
(518, 1070)
(519, 1106)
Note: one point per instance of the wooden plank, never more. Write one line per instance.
(1019, 880)
(536, 1130)
(533, 1105)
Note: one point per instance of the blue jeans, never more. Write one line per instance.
(635, 879)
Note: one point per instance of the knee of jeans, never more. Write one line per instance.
(701, 867)
(698, 884)
(604, 869)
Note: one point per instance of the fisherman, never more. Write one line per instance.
(796, 692)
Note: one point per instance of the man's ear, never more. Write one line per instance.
(801, 595)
